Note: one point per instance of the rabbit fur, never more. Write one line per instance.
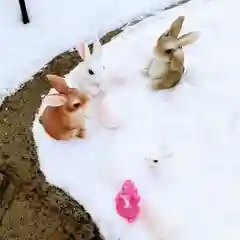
(88, 75)
(167, 67)
(62, 113)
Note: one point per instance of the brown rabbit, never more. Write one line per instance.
(64, 114)
(167, 68)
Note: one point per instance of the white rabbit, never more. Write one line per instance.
(87, 76)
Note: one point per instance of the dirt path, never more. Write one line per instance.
(30, 208)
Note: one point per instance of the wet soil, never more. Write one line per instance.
(30, 208)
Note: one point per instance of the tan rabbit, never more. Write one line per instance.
(167, 67)
(64, 114)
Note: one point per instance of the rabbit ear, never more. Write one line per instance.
(176, 26)
(188, 38)
(97, 49)
(83, 51)
(58, 83)
(55, 100)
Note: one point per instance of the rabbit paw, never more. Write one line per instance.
(81, 133)
(94, 90)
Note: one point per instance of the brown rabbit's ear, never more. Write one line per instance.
(58, 83)
(188, 38)
(176, 26)
(55, 100)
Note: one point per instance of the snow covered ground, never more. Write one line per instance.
(56, 26)
(193, 129)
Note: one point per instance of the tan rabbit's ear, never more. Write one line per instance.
(58, 83)
(165, 34)
(55, 100)
(176, 26)
(188, 38)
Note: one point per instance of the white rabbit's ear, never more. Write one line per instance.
(55, 100)
(97, 49)
(188, 38)
(83, 51)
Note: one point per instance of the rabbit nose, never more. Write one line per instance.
(76, 105)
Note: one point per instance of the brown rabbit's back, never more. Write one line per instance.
(56, 124)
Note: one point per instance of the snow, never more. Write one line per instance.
(192, 129)
(56, 26)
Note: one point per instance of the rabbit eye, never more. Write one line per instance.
(169, 51)
(76, 105)
(155, 161)
(90, 71)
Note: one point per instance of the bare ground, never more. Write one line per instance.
(29, 207)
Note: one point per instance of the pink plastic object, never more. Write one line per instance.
(128, 202)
